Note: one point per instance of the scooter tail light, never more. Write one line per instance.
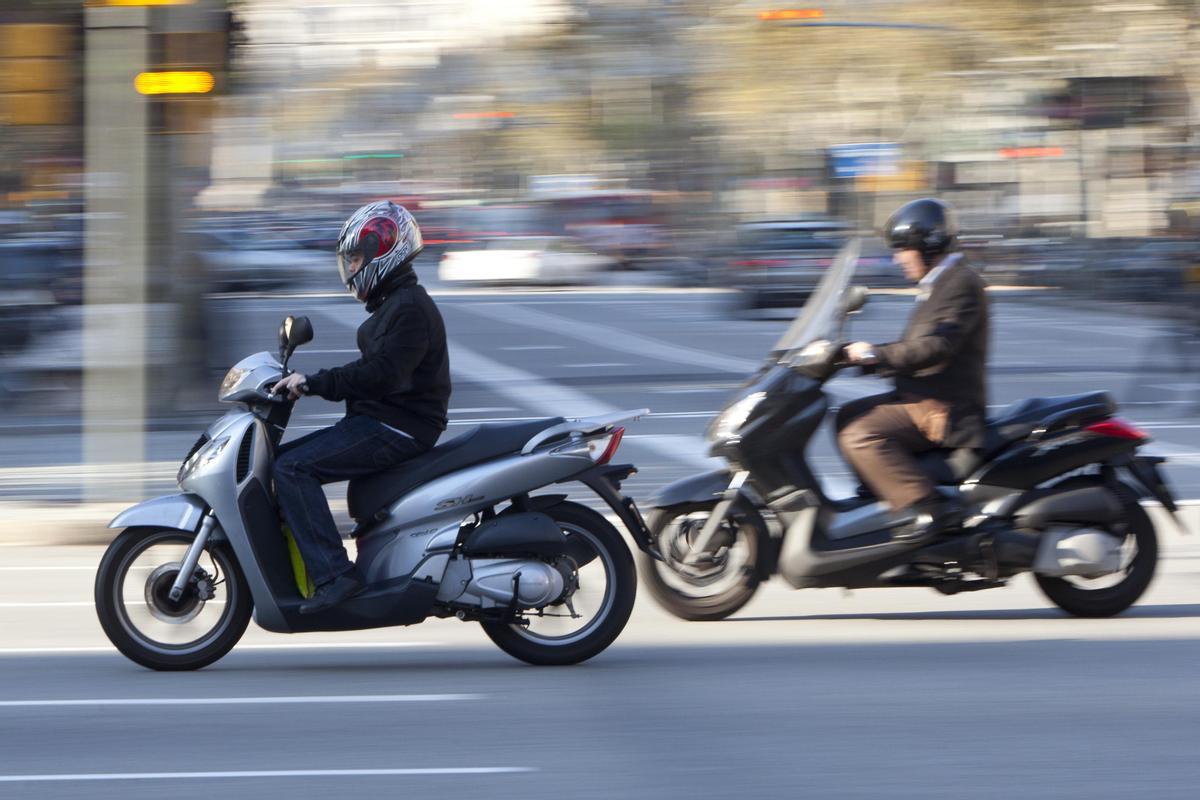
(610, 450)
(1118, 428)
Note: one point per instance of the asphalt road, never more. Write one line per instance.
(883, 693)
(679, 353)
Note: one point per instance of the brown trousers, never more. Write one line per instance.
(879, 436)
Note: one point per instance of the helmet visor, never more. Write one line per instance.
(349, 263)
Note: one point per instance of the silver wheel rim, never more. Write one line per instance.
(702, 581)
(161, 629)
(1129, 552)
(557, 631)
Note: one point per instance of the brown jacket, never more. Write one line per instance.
(943, 354)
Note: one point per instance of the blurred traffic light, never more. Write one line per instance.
(189, 82)
(791, 13)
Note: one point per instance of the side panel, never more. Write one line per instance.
(1038, 462)
(423, 519)
(245, 506)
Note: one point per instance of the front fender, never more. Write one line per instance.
(179, 511)
(696, 490)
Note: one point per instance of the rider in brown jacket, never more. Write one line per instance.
(939, 367)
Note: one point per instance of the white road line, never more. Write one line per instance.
(597, 365)
(611, 338)
(281, 773)
(523, 347)
(90, 568)
(48, 604)
(241, 701)
(34, 651)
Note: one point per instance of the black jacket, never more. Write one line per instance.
(403, 377)
(943, 354)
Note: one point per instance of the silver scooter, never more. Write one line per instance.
(454, 532)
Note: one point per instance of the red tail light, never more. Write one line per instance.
(1118, 429)
(613, 443)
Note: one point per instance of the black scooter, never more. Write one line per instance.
(1055, 492)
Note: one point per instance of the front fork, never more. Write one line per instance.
(714, 521)
(192, 557)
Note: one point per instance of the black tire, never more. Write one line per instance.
(701, 608)
(111, 607)
(1112, 600)
(597, 635)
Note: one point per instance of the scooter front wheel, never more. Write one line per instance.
(718, 583)
(136, 611)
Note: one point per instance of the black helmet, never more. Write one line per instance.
(926, 225)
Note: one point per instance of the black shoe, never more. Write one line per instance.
(937, 515)
(331, 593)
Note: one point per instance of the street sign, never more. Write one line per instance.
(865, 159)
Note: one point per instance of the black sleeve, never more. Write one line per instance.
(390, 368)
(957, 315)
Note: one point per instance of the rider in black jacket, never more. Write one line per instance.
(396, 394)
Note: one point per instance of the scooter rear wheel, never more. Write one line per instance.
(1107, 597)
(139, 617)
(709, 591)
(607, 587)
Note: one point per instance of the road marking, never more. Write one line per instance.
(48, 604)
(281, 773)
(91, 568)
(241, 701)
(33, 651)
(535, 347)
(611, 338)
(597, 365)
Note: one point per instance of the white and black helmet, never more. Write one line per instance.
(388, 238)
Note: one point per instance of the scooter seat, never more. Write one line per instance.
(368, 495)
(1023, 417)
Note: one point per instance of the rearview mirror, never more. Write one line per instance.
(854, 299)
(294, 332)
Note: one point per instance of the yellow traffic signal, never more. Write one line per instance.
(791, 13)
(196, 82)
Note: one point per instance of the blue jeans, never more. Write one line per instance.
(354, 447)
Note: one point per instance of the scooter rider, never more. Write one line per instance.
(396, 394)
(939, 367)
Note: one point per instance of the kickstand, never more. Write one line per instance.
(511, 616)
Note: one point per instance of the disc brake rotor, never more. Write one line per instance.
(175, 612)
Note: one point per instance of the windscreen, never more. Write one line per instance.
(822, 313)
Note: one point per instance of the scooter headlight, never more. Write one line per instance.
(202, 458)
(726, 426)
(232, 380)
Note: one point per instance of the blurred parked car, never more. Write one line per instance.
(524, 259)
(234, 261)
(780, 263)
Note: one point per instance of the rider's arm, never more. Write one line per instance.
(957, 315)
(389, 369)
